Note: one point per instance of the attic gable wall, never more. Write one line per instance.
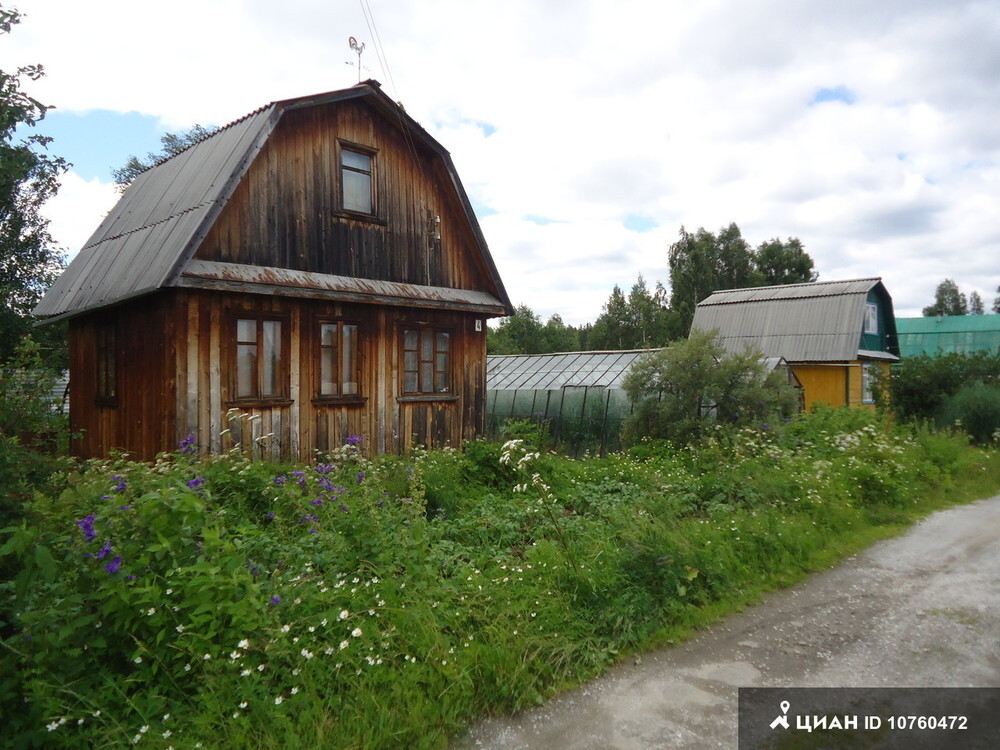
(284, 213)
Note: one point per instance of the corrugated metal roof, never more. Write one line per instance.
(545, 372)
(158, 222)
(816, 322)
(809, 290)
(148, 238)
(962, 334)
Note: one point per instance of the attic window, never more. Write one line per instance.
(871, 318)
(356, 171)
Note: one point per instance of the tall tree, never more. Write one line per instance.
(173, 144)
(560, 337)
(787, 262)
(520, 333)
(996, 302)
(948, 300)
(610, 330)
(701, 263)
(639, 321)
(976, 306)
(29, 176)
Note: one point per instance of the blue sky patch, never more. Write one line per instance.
(836, 94)
(635, 223)
(540, 220)
(99, 141)
(487, 129)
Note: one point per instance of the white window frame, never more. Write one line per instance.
(871, 318)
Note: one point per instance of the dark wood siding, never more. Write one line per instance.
(285, 213)
(389, 421)
(142, 420)
(169, 390)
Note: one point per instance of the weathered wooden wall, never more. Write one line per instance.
(169, 390)
(143, 422)
(388, 420)
(285, 212)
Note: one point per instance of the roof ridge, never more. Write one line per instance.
(800, 284)
(211, 134)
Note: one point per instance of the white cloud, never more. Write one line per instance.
(77, 209)
(586, 113)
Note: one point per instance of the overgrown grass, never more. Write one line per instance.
(387, 602)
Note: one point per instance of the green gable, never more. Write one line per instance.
(948, 333)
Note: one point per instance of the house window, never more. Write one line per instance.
(871, 318)
(338, 359)
(426, 361)
(107, 365)
(356, 171)
(261, 362)
(867, 382)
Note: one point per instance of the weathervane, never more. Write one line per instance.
(358, 47)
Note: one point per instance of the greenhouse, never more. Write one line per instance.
(578, 395)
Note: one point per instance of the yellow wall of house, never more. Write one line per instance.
(835, 385)
(823, 384)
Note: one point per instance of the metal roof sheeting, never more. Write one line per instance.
(147, 240)
(546, 372)
(816, 322)
(158, 221)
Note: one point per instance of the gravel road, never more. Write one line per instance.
(920, 610)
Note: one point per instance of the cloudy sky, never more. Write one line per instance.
(587, 132)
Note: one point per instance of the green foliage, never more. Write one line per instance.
(919, 386)
(523, 333)
(703, 262)
(948, 300)
(639, 321)
(387, 602)
(975, 409)
(680, 391)
(29, 176)
(27, 385)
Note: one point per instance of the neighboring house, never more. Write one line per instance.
(944, 334)
(309, 272)
(834, 335)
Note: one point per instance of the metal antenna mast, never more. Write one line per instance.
(358, 47)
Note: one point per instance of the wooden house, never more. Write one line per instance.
(834, 335)
(309, 272)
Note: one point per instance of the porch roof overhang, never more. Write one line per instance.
(286, 282)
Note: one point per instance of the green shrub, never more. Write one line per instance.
(681, 391)
(918, 386)
(975, 409)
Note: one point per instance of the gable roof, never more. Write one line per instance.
(148, 239)
(948, 333)
(813, 322)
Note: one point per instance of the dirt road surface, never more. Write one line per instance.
(920, 610)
